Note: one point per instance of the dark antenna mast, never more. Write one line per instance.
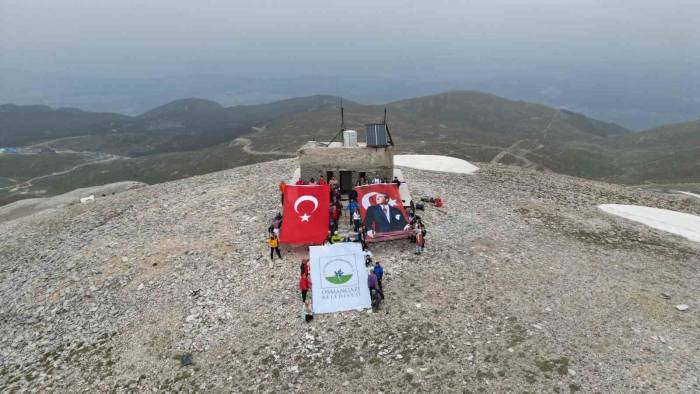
(391, 141)
(342, 116)
(342, 123)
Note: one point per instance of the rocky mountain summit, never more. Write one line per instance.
(525, 287)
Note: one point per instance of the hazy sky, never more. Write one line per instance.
(302, 37)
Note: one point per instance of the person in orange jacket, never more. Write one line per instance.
(274, 244)
(282, 186)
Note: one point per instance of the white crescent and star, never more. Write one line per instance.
(365, 199)
(366, 204)
(305, 217)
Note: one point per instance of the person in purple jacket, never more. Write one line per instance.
(372, 282)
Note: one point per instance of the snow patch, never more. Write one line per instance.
(683, 224)
(435, 163)
(689, 194)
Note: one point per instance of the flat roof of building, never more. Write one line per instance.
(335, 144)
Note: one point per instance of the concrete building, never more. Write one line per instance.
(348, 161)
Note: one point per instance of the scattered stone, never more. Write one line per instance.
(682, 307)
(141, 286)
(186, 359)
(666, 295)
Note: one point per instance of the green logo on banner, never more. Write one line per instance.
(338, 271)
(339, 277)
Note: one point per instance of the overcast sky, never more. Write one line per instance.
(302, 37)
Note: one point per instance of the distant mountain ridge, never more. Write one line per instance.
(193, 136)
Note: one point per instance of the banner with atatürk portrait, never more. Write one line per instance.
(382, 212)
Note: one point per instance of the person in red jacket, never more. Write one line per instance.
(304, 286)
(304, 267)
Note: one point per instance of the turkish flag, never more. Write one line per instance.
(305, 214)
(382, 213)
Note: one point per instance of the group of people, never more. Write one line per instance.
(375, 269)
(375, 274)
(362, 180)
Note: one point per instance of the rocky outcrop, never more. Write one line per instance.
(525, 286)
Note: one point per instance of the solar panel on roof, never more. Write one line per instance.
(376, 135)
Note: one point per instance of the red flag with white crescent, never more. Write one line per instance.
(382, 213)
(305, 214)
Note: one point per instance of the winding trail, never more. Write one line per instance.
(517, 153)
(545, 131)
(93, 158)
(246, 144)
(105, 158)
(520, 153)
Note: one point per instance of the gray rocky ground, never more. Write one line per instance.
(525, 287)
(34, 206)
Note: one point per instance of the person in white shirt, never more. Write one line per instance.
(356, 220)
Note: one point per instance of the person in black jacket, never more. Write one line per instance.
(382, 218)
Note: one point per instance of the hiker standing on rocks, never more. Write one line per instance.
(282, 186)
(420, 240)
(379, 273)
(304, 285)
(274, 244)
(304, 267)
(356, 220)
(352, 208)
(308, 312)
(372, 282)
(368, 255)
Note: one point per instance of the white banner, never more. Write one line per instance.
(338, 277)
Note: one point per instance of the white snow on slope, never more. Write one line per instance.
(435, 163)
(683, 224)
(689, 194)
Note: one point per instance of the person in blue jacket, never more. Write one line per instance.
(352, 207)
(379, 273)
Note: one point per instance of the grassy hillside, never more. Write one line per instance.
(21, 125)
(194, 136)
